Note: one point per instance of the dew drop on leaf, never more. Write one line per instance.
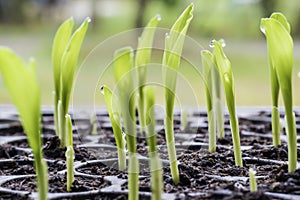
(222, 41)
(158, 17)
(102, 89)
(211, 44)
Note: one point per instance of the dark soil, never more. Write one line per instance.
(57, 183)
(24, 167)
(203, 175)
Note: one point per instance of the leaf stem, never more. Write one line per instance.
(276, 126)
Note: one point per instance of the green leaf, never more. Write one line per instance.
(60, 43)
(23, 87)
(142, 58)
(224, 68)
(280, 47)
(114, 112)
(143, 53)
(171, 61)
(281, 19)
(69, 63)
(175, 39)
(123, 66)
(208, 66)
(172, 54)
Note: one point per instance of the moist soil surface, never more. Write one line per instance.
(203, 175)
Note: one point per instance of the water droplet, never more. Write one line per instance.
(299, 74)
(102, 89)
(262, 28)
(211, 44)
(158, 17)
(222, 41)
(89, 19)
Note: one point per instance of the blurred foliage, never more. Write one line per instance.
(217, 18)
(237, 21)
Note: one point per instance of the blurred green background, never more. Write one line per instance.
(29, 26)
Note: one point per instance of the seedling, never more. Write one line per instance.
(70, 154)
(280, 50)
(93, 122)
(155, 162)
(23, 87)
(171, 61)
(208, 69)
(252, 180)
(114, 113)
(123, 66)
(224, 68)
(65, 52)
(142, 58)
(184, 119)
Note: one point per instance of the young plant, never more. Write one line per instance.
(155, 162)
(142, 58)
(123, 67)
(208, 69)
(184, 119)
(280, 50)
(252, 180)
(65, 52)
(113, 108)
(93, 121)
(171, 61)
(224, 68)
(22, 85)
(70, 154)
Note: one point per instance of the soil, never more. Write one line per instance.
(203, 175)
(57, 184)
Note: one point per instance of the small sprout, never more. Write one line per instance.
(142, 58)
(70, 154)
(22, 85)
(114, 113)
(184, 119)
(65, 52)
(280, 49)
(208, 69)
(155, 162)
(224, 68)
(252, 179)
(93, 122)
(171, 61)
(123, 66)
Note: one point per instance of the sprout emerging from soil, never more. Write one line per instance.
(114, 113)
(93, 121)
(70, 154)
(252, 180)
(280, 50)
(65, 52)
(171, 61)
(224, 68)
(155, 162)
(142, 58)
(23, 87)
(208, 69)
(123, 66)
